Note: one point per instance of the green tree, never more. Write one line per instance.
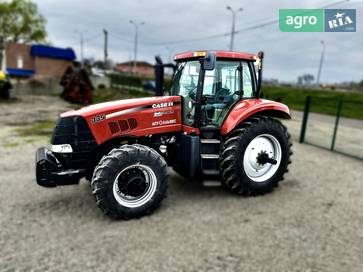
(21, 21)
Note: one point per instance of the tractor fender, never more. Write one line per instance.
(246, 108)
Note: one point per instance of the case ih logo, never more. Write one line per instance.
(162, 105)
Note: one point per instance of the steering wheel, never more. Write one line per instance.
(222, 96)
(191, 92)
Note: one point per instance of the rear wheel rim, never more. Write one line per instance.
(134, 186)
(262, 144)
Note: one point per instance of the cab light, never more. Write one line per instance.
(199, 54)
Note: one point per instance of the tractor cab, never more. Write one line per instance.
(211, 83)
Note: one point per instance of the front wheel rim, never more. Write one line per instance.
(134, 186)
(262, 144)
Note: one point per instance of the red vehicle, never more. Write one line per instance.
(214, 123)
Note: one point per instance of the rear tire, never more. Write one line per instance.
(131, 181)
(244, 152)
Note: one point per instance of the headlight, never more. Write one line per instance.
(62, 148)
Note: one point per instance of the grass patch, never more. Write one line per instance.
(11, 145)
(34, 140)
(325, 102)
(41, 128)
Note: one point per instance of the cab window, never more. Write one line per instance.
(248, 87)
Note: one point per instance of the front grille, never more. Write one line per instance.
(132, 123)
(122, 125)
(74, 131)
(113, 127)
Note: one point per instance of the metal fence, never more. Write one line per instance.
(333, 124)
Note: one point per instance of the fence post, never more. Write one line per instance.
(339, 109)
(305, 118)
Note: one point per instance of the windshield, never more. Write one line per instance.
(221, 88)
(186, 78)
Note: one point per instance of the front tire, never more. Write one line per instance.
(255, 156)
(131, 181)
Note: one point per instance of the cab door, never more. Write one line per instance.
(185, 84)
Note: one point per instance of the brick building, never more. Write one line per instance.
(23, 60)
(142, 68)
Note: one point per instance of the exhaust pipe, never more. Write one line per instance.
(159, 75)
(259, 64)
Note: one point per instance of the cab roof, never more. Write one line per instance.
(219, 54)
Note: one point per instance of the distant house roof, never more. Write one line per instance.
(139, 63)
(40, 50)
(19, 72)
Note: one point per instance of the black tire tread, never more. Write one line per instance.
(231, 178)
(107, 168)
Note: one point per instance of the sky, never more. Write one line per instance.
(169, 23)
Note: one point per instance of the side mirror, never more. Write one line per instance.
(209, 61)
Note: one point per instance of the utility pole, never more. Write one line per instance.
(81, 44)
(105, 32)
(2, 46)
(321, 63)
(233, 31)
(135, 43)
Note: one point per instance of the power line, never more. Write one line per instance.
(238, 31)
(267, 22)
(119, 37)
(91, 38)
(271, 22)
(187, 40)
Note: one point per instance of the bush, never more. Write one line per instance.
(167, 83)
(125, 79)
(101, 86)
(323, 101)
(136, 80)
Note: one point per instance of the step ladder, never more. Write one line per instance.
(209, 156)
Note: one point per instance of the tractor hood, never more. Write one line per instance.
(130, 117)
(114, 107)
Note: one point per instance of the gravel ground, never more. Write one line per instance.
(312, 222)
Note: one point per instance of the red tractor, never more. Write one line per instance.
(214, 123)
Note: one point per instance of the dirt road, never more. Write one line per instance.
(312, 222)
